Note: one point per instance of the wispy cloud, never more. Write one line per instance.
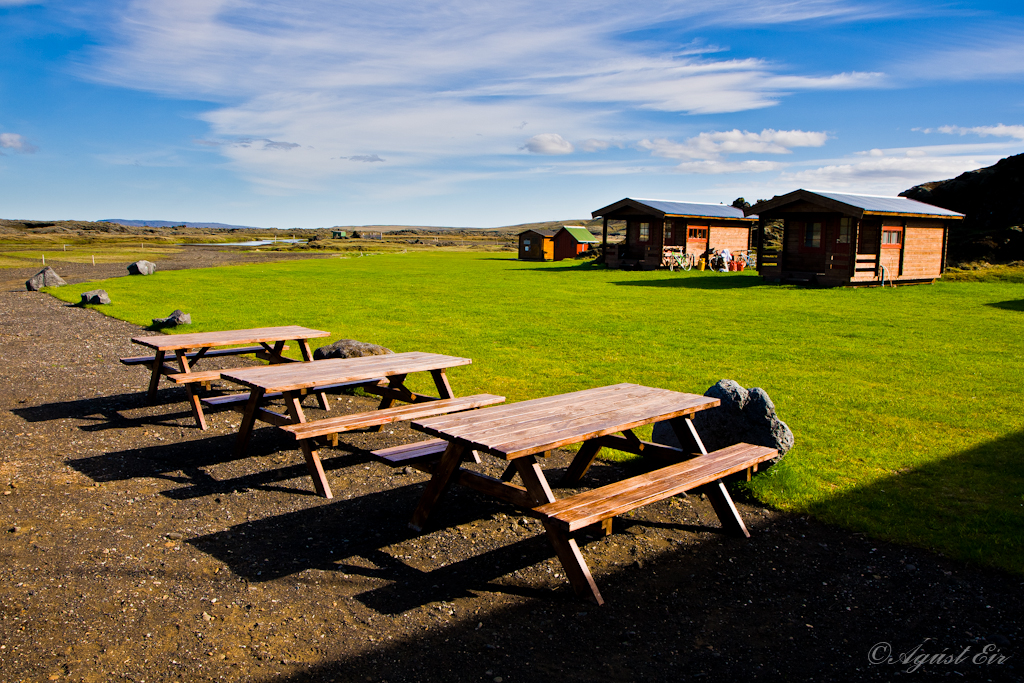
(16, 143)
(712, 145)
(427, 81)
(998, 130)
(986, 51)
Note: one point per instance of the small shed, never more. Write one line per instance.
(338, 234)
(837, 239)
(656, 225)
(537, 245)
(573, 240)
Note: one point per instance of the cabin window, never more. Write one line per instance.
(645, 232)
(668, 232)
(844, 231)
(698, 233)
(812, 235)
(892, 236)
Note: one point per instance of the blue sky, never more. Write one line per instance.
(463, 113)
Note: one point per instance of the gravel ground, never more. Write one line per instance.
(136, 547)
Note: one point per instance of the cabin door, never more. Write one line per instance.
(696, 239)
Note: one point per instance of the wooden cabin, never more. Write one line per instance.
(654, 226)
(836, 239)
(537, 245)
(573, 240)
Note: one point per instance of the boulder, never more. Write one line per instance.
(47, 277)
(349, 348)
(95, 296)
(746, 416)
(173, 320)
(142, 268)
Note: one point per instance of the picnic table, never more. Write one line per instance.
(597, 418)
(189, 349)
(383, 375)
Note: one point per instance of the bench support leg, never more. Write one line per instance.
(573, 563)
(444, 473)
(307, 356)
(726, 510)
(533, 479)
(248, 420)
(444, 389)
(689, 440)
(581, 463)
(193, 399)
(316, 468)
(154, 379)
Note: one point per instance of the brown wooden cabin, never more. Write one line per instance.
(572, 240)
(836, 239)
(537, 245)
(654, 225)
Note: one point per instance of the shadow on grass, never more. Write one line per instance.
(969, 503)
(711, 281)
(1017, 305)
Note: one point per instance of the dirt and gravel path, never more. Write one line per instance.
(137, 548)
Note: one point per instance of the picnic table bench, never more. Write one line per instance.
(594, 417)
(267, 343)
(381, 375)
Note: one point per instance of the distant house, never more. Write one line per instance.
(832, 239)
(573, 240)
(338, 234)
(537, 245)
(654, 225)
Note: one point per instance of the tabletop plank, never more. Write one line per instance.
(295, 376)
(175, 342)
(539, 425)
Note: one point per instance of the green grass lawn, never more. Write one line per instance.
(905, 402)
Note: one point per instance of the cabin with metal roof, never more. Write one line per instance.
(840, 239)
(656, 227)
(573, 240)
(537, 245)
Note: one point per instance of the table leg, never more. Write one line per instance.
(316, 468)
(154, 379)
(720, 500)
(444, 389)
(248, 420)
(193, 398)
(575, 566)
(307, 356)
(581, 463)
(533, 479)
(689, 440)
(438, 484)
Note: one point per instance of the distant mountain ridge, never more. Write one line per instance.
(993, 200)
(176, 224)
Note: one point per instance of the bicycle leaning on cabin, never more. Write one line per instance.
(676, 258)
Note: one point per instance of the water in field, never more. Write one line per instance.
(250, 243)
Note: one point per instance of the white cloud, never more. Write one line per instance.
(420, 82)
(712, 145)
(888, 173)
(986, 51)
(17, 143)
(594, 145)
(714, 167)
(548, 143)
(998, 130)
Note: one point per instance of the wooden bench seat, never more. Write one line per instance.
(210, 353)
(594, 506)
(241, 398)
(411, 453)
(599, 506)
(374, 418)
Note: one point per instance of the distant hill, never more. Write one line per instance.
(993, 200)
(177, 224)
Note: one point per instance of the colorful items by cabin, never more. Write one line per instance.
(835, 239)
(656, 225)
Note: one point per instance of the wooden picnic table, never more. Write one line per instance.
(383, 375)
(188, 349)
(596, 418)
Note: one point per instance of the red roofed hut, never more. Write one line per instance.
(654, 226)
(573, 240)
(836, 239)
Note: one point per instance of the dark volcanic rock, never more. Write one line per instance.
(349, 348)
(174, 319)
(47, 277)
(993, 199)
(746, 416)
(142, 268)
(95, 296)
